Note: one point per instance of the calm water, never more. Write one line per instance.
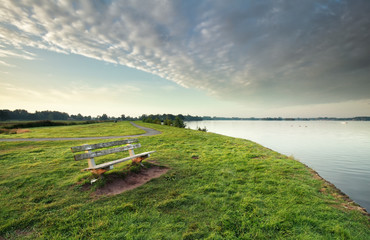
(339, 152)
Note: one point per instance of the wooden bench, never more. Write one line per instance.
(101, 168)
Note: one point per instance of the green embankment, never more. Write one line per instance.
(217, 188)
(85, 130)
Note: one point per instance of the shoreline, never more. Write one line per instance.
(337, 192)
(337, 151)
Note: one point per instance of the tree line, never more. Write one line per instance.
(21, 114)
(24, 115)
(177, 121)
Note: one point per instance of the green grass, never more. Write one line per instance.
(87, 130)
(217, 188)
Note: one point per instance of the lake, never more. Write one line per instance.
(338, 151)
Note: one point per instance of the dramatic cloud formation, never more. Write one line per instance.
(271, 52)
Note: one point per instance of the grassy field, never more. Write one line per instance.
(217, 188)
(86, 130)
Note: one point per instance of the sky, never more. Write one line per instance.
(266, 58)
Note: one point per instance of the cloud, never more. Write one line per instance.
(269, 52)
(6, 64)
(24, 55)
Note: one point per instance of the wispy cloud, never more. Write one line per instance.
(6, 64)
(24, 55)
(274, 52)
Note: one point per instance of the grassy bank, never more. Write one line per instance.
(217, 188)
(87, 130)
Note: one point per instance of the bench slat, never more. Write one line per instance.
(102, 145)
(105, 152)
(107, 164)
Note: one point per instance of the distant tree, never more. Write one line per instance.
(167, 122)
(4, 115)
(40, 115)
(79, 117)
(148, 120)
(142, 117)
(192, 118)
(20, 114)
(123, 117)
(169, 116)
(104, 117)
(129, 118)
(179, 122)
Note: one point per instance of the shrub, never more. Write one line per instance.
(179, 123)
(167, 122)
(202, 129)
(157, 121)
(148, 120)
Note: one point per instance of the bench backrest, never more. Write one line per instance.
(89, 154)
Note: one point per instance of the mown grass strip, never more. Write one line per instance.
(217, 188)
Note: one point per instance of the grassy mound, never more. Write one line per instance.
(217, 188)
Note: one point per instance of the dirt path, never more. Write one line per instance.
(149, 132)
(116, 185)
